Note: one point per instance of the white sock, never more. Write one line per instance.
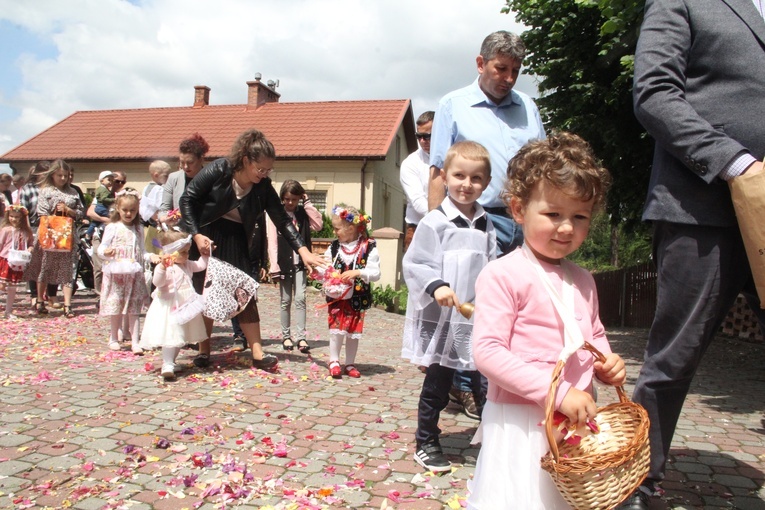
(335, 346)
(134, 324)
(9, 299)
(116, 323)
(169, 354)
(351, 348)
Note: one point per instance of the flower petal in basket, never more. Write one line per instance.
(604, 468)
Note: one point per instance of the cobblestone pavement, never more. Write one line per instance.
(87, 428)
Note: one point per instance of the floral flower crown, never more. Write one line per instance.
(355, 218)
(18, 208)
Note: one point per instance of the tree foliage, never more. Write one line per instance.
(582, 51)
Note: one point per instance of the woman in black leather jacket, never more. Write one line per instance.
(222, 208)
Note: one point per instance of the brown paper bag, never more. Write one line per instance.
(748, 194)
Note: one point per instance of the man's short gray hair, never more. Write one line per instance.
(505, 43)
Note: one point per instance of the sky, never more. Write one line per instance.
(57, 57)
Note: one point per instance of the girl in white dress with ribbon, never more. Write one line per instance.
(532, 308)
(174, 318)
(123, 289)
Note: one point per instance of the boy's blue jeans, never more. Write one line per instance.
(101, 210)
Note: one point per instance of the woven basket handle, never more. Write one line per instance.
(550, 402)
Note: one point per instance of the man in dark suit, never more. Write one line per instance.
(698, 90)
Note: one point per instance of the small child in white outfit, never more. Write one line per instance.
(174, 318)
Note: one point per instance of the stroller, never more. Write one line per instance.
(85, 265)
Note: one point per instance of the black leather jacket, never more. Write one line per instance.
(210, 195)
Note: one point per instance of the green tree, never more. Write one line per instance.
(582, 52)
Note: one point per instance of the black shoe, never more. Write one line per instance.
(268, 363)
(303, 346)
(202, 360)
(638, 501)
(431, 457)
(240, 343)
(288, 344)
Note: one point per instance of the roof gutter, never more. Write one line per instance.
(363, 183)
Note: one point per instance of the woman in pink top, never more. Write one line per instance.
(522, 302)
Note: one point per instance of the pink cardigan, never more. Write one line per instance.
(7, 239)
(518, 336)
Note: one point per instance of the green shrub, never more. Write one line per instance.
(388, 298)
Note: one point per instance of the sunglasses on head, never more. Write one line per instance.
(423, 136)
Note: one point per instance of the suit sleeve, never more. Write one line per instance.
(662, 60)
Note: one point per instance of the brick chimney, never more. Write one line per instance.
(259, 93)
(201, 96)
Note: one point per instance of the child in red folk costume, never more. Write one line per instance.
(355, 263)
(174, 318)
(533, 307)
(16, 243)
(123, 290)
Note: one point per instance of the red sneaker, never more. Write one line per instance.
(334, 369)
(351, 371)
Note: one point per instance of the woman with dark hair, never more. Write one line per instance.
(286, 266)
(191, 153)
(221, 209)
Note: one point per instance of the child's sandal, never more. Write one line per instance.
(303, 346)
(68, 313)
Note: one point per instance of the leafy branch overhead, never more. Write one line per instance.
(582, 52)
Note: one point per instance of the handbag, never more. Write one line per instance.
(55, 233)
(18, 260)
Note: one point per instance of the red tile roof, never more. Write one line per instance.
(332, 129)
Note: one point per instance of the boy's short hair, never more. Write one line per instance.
(473, 151)
(563, 160)
(158, 166)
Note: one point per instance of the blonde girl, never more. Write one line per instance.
(15, 234)
(354, 256)
(56, 197)
(174, 318)
(123, 290)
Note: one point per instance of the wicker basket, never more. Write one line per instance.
(601, 471)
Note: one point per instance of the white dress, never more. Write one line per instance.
(123, 289)
(161, 327)
(512, 475)
(445, 248)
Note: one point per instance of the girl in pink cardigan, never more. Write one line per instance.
(522, 302)
(174, 318)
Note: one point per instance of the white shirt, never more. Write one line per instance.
(415, 171)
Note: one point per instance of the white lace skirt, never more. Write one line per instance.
(160, 330)
(508, 473)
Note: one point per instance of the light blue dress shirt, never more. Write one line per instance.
(468, 114)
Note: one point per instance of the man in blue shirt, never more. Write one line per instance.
(490, 112)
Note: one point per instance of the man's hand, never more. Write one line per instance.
(436, 188)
